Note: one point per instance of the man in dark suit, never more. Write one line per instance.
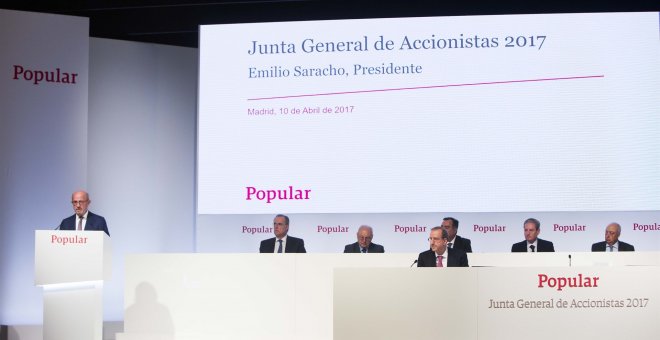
(83, 219)
(532, 244)
(282, 243)
(440, 255)
(455, 242)
(612, 243)
(364, 245)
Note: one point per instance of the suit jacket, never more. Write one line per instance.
(623, 246)
(355, 248)
(455, 258)
(94, 222)
(463, 244)
(543, 246)
(293, 245)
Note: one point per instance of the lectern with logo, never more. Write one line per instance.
(71, 266)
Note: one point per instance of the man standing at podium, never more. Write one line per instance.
(83, 219)
(612, 243)
(532, 244)
(440, 255)
(282, 243)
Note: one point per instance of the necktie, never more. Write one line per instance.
(611, 248)
(439, 261)
(364, 250)
(532, 248)
(279, 248)
(450, 244)
(80, 219)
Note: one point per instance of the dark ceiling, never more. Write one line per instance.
(175, 22)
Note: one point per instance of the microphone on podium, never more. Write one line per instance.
(414, 262)
(569, 260)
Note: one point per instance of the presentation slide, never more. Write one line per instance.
(486, 113)
(511, 113)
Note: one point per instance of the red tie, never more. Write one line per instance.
(439, 261)
(79, 223)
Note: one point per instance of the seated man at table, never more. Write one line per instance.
(282, 243)
(532, 244)
(440, 255)
(364, 245)
(612, 242)
(455, 241)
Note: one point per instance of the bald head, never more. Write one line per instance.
(80, 201)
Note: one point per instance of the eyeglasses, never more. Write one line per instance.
(435, 238)
(79, 202)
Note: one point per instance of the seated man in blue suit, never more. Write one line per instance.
(83, 219)
(612, 242)
(282, 243)
(532, 244)
(440, 255)
(364, 245)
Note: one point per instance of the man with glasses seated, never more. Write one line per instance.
(440, 255)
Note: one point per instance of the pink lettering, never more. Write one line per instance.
(559, 283)
(38, 76)
(409, 229)
(271, 195)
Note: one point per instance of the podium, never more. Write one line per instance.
(71, 266)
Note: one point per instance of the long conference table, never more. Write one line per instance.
(380, 296)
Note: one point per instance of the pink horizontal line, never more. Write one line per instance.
(427, 87)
